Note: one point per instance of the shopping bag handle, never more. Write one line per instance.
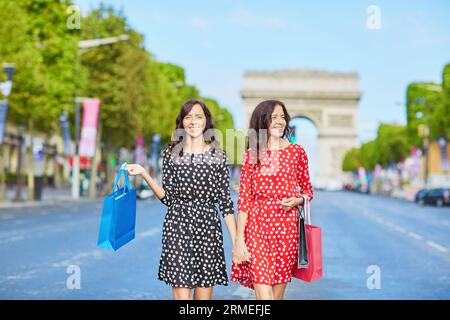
(305, 208)
(119, 174)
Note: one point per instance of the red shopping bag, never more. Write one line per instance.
(313, 270)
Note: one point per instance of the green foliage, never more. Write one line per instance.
(440, 119)
(116, 74)
(35, 38)
(138, 94)
(391, 144)
(369, 154)
(425, 107)
(352, 160)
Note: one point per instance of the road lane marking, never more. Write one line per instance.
(436, 246)
(150, 233)
(12, 239)
(77, 258)
(18, 277)
(390, 225)
(399, 229)
(415, 236)
(7, 234)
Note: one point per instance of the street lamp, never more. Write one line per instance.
(83, 46)
(5, 88)
(86, 44)
(18, 197)
(424, 131)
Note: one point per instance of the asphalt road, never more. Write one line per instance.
(407, 246)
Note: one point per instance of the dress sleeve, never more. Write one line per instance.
(303, 179)
(246, 192)
(223, 179)
(167, 178)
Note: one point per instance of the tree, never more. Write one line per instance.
(44, 52)
(391, 143)
(116, 74)
(424, 105)
(440, 116)
(352, 160)
(370, 155)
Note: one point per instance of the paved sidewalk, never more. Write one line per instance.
(50, 196)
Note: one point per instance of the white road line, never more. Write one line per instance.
(12, 239)
(18, 277)
(415, 236)
(399, 229)
(389, 224)
(97, 254)
(437, 246)
(150, 233)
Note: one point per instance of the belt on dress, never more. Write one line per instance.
(274, 198)
(268, 198)
(193, 203)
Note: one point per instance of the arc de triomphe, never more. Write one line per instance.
(328, 99)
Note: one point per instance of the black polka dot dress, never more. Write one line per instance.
(192, 242)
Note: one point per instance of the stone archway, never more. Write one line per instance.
(328, 99)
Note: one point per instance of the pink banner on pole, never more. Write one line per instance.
(139, 152)
(91, 109)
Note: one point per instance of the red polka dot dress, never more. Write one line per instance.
(271, 234)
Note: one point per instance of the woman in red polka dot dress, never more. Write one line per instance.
(274, 182)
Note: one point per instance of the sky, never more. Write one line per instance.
(216, 41)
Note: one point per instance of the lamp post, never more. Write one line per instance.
(83, 46)
(5, 88)
(18, 197)
(76, 157)
(424, 132)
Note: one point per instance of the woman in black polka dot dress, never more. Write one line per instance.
(195, 177)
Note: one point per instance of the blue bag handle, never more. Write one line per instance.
(119, 174)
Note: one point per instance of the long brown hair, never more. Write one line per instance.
(185, 109)
(261, 120)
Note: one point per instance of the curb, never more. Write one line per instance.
(45, 203)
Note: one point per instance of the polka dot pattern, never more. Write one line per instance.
(192, 243)
(271, 234)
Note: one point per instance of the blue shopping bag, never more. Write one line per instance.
(117, 225)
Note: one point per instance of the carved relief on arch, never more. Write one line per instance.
(314, 115)
(340, 120)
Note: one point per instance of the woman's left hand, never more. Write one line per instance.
(288, 203)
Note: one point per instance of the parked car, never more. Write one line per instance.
(420, 195)
(439, 197)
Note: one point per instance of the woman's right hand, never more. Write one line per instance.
(135, 169)
(240, 252)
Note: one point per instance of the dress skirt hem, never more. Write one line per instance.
(191, 285)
